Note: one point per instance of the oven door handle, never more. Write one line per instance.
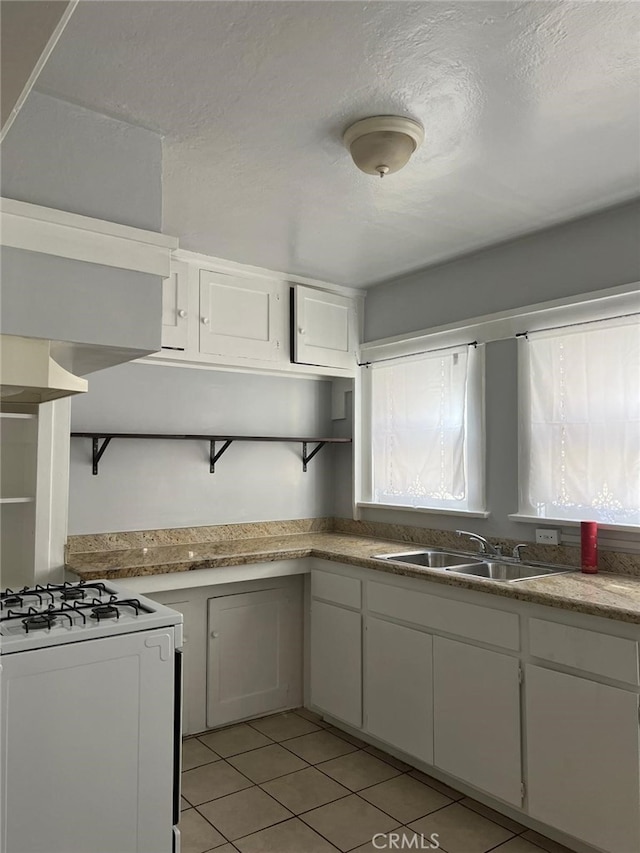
(177, 734)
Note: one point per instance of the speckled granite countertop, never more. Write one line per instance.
(608, 595)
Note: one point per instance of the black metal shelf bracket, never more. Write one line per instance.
(213, 456)
(98, 450)
(307, 457)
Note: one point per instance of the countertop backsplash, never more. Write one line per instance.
(615, 562)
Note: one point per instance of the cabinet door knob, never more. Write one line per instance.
(182, 313)
(302, 331)
(214, 635)
(205, 321)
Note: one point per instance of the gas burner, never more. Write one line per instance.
(71, 593)
(105, 611)
(12, 601)
(39, 620)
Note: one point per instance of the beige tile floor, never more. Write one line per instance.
(290, 783)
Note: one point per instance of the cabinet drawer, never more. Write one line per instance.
(336, 588)
(455, 617)
(601, 654)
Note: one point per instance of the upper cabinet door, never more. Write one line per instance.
(324, 330)
(241, 317)
(174, 307)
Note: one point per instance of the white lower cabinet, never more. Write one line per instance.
(477, 717)
(336, 662)
(249, 649)
(583, 774)
(399, 687)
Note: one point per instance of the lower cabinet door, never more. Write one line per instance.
(336, 662)
(476, 698)
(399, 687)
(250, 636)
(583, 759)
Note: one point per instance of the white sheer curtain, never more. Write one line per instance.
(583, 422)
(418, 415)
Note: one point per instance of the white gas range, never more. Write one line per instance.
(90, 735)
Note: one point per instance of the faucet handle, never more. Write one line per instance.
(518, 548)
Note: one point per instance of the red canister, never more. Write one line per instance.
(589, 546)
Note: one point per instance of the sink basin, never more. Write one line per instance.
(468, 566)
(431, 559)
(510, 572)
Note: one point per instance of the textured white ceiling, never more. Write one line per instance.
(530, 109)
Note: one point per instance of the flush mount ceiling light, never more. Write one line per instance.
(383, 144)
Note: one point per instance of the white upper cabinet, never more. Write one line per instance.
(242, 317)
(233, 317)
(175, 312)
(325, 328)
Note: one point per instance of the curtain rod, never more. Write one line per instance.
(422, 352)
(581, 323)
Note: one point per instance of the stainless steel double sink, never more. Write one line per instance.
(482, 567)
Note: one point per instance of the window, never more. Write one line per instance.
(580, 424)
(426, 431)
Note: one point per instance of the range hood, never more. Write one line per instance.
(29, 374)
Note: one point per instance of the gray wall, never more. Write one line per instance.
(63, 156)
(48, 297)
(69, 158)
(586, 254)
(592, 253)
(159, 484)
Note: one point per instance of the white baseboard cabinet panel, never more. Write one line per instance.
(399, 687)
(583, 758)
(477, 717)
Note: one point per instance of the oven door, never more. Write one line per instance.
(87, 746)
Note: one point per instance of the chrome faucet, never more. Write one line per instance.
(517, 555)
(485, 546)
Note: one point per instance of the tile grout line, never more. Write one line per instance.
(403, 773)
(356, 749)
(305, 811)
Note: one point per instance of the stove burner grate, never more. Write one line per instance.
(72, 593)
(70, 604)
(39, 620)
(105, 611)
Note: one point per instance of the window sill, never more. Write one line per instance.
(467, 513)
(569, 522)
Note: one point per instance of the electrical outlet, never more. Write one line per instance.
(547, 536)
